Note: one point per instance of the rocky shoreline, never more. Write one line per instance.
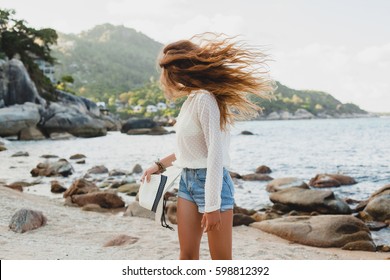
(301, 212)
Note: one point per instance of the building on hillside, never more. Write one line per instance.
(137, 108)
(151, 109)
(47, 69)
(161, 106)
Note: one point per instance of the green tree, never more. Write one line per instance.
(16, 38)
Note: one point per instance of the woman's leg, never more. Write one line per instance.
(220, 241)
(189, 229)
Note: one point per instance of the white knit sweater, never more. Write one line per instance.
(202, 144)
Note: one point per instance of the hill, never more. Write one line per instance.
(106, 60)
(117, 65)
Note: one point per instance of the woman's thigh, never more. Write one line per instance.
(189, 229)
(220, 241)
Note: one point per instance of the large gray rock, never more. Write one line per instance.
(379, 208)
(324, 202)
(331, 180)
(60, 118)
(342, 231)
(26, 219)
(16, 86)
(15, 118)
(136, 123)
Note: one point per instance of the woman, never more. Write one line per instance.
(215, 75)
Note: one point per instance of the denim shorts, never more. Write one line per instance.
(192, 183)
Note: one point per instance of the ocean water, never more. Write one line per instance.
(296, 148)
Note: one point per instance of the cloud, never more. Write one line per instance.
(375, 54)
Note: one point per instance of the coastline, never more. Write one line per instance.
(74, 234)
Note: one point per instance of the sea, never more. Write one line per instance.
(359, 148)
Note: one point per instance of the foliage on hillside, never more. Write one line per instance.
(106, 60)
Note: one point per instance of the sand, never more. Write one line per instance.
(80, 235)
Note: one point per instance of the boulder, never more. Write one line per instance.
(379, 208)
(324, 202)
(139, 131)
(16, 87)
(2, 148)
(71, 118)
(77, 156)
(81, 186)
(21, 154)
(117, 172)
(61, 136)
(256, 177)
(303, 114)
(135, 210)
(341, 231)
(31, 133)
(26, 219)
(158, 130)
(263, 169)
(137, 169)
(234, 175)
(17, 117)
(246, 132)
(241, 219)
(137, 123)
(103, 199)
(285, 183)
(16, 187)
(130, 189)
(56, 187)
(331, 180)
(99, 169)
(61, 167)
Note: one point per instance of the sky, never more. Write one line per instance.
(338, 46)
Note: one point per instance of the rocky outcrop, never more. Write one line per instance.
(256, 177)
(103, 199)
(341, 231)
(331, 180)
(80, 186)
(285, 183)
(60, 168)
(134, 123)
(324, 202)
(24, 113)
(15, 118)
(379, 208)
(263, 169)
(26, 219)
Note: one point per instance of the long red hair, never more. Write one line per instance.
(228, 69)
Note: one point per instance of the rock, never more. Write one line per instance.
(2, 148)
(56, 187)
(61, 167)
(61, 136)
(17, 117)
(375, 226)
(80, 161)
(49, 156)
(171, 213)
(303, 114)
(383, 248)
(135, 210)
(379, 207)
(99, 169)
(382, 191)
(81, 186)
(128, 180)
(26, 219)
(245, 132)
(256, 177)
(285, 183)
(240, 210)
(263, 170)
(130, 189)
(117, 172)
(31, 133)
(241, 219)
(139, 131)
(137, 123)
(341, 231)
(16, 187)
(331, 180)
(103, 199)
(273, 116)
(18, 87)
(77, 156)
(121, 240)
(234, 175)
(71, 117)
(21, 154)
(158, 130)
(324, 202)
(137, 169)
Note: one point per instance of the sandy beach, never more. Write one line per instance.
(73, 234)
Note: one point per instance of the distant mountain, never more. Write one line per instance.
(106, 60)
(109, 60)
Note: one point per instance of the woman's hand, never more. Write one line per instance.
(153, 169)
(211, 221)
